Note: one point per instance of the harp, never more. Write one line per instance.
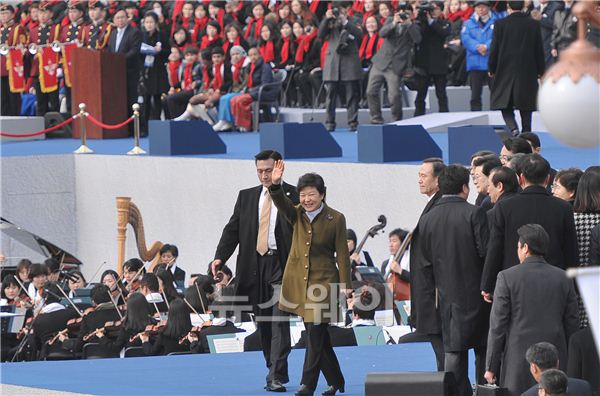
(129, 213)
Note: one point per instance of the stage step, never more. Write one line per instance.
(21, 126)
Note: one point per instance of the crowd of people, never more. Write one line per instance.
(488, 276)
(209, 59)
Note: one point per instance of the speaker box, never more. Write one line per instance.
(413, 384)
(52, 118)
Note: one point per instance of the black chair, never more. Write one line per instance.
(278, 79)
(134, 352)
(93, 350)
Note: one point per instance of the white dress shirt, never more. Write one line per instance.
(120, 34)
(271, 242)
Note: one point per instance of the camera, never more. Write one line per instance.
(424, 10)
(344, 42)
(336, 12)
(403, 15)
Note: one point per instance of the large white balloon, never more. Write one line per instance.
(571, 111)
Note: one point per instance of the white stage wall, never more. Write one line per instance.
(70, 201)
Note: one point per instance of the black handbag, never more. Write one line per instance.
(490, 390)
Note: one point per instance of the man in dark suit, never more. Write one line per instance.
(168, 256)
(533, 205)
(584, 361)
(533, 302)
(400, 35)
(423, 313)
(544, 13)
(503, 184)
(454, 236)
(126, 39)
(342, 63)
(516, 62)
(544, 356)
(149, 287)
(264, 238)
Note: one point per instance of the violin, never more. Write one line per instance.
(73, 325)
(399, 287)
(150, 330)
(25, 329)
(370, 233)
(113, 325)
(195, 330)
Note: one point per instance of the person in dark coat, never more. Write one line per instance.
(544, 13)
(259, 275)
(503, 184)
(400, 36)
(127, 40)
(533, 302)
(423, 313)
(584, 361)
(532, 205)
(543, 356)
(431, 58)
(154, 77)
(454, 236)
(342, 64)
(515, 64)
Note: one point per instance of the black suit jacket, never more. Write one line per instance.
(92, 321)
(46, 325)
(583, 361)
(179, 276)
(130, 47)
(423, 313)
(534, 205)
(575, 387)
(242, 230)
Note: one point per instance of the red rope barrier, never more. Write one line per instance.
(53, 128)
(106, 126)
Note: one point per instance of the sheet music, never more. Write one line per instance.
(228, 345)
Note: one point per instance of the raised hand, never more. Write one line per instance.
(277, 173)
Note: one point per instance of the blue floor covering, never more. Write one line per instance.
(246, 145)
(220, 374)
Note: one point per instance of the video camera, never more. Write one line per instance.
(424, 10)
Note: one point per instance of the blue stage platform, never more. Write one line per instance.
(216, 374)
(246, 145)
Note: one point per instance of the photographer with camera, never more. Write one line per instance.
(342, 63)
(389, 63)
(431, 58)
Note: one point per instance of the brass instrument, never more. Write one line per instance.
(5, 49)
(35, 48)
(129, 213)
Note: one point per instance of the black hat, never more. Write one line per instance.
(76, 5)
(476, 3)
(216, 25)
(96, 4)
(535, 237)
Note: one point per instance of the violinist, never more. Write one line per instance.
(363, 258)
(104, 310)
(23, 271)
(223, 323)
(138, 317)
(167, 338)
(38, 276)
(149, 287)
(13, 294)
(168, 256)
(53, 317)
(111, 279)
(53, 267)
(132, 272)
(165, 283)
(395, 240)
(76, 280)
(197, 295)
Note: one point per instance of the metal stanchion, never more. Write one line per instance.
(83, 149)
(136, 150)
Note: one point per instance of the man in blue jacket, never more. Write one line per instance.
(476, 37)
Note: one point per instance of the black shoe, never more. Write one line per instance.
(333, 389)
(353, 127)
(275, 386)
(304, 391)
(376, 121)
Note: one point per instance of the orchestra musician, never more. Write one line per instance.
(167, 340)
(38, 276)
(363, 258)
(149, 287)
(46, 33)
(76, 280)
(168, 256)
(135, 321)
(23, 271)
(133, 269)
(111, 279)
(395, 241)
(13, 294)
(165, 283)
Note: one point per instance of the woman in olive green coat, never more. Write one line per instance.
(312, 281)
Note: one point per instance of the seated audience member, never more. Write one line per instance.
(266, 44)
(135, 321)
(241, 106)
(565, 184)
(239, 74)
(76, 280)
(23, 271)
(104, 311)
(512, 146)
(168, 256)
(167, 340)
(396, 237)
(217, 82)
(133, 270)
(543, 356)
(150, 288)
(584, 361)
(553, 383)
(233, 37)
(363, 258)
(211, 38)
(111, 279)
(190, 72)
(309, 60)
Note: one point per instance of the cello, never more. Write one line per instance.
(370, 233)
(399, 287)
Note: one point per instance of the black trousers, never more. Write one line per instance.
(10, 101)
(458, 364)
(478, 78)
(152, 107)
(45, 102)
(273, 324)
(439, 80)
(320, 357)
(511, 122)
(352, 90)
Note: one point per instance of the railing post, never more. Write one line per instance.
(83, 149)
(136, 150)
